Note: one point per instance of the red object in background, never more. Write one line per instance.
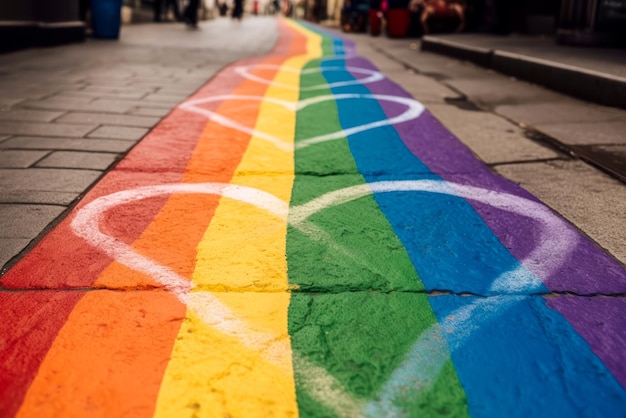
(397, 22)
(442, 9)
(375, 21)
(255, 7)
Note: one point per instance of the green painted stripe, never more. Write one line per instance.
(357, 305)
(372, 257)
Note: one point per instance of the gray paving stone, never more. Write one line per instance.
(18, 86)
(211, 68)
(180, 90)
(424, 89)
(38, 197)
(183, 82)
(109, 106)
(108, 119)
(97, 95)
(151, 81)
(123, 106)
(381, 62)
(564, 111)
(75, 159)
(141, 81)
(32, 219)
(162, 100)
(166, 97)
(590, 133)
(493, 139)
(80, 104)
(10, 247)
(200, 78)
(45, 129)
(28, 115)
(69, 144)
(154, 85)
(130, 89)
(501, 90)
(119, 132)
(150, 111)
(7, 102)
(118, 73)
(44, 185)
(106, 82)
(58, 103)
(20, 158)
(18, 91)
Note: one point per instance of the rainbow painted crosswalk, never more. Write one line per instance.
(303, 238)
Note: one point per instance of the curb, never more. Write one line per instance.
(579, 82)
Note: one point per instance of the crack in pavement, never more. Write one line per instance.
(317, 291)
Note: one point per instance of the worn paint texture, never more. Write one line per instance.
(303, 238)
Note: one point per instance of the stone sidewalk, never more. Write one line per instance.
(70, 113)
(594, 74)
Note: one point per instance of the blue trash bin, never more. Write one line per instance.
(106, 18)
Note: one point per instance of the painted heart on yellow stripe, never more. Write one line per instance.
(371, 76)
(413, 110)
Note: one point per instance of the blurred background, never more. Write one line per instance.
(594, 23)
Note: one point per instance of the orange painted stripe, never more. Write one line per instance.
(113, 339)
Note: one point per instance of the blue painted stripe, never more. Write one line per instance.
(523, 359)
(526, 351)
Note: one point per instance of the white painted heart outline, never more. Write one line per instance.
(372, 76)
(556, 238)
(413, 111)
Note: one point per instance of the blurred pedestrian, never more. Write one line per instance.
(190, 15)
(223, 8)
(416, 8)
(443, 9)
(275, 7)
(83, 9)
(288, 8)
(237, 9)
(160, 10)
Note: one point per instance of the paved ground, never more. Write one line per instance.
(360, 260)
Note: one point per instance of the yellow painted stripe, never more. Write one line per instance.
(211, 373)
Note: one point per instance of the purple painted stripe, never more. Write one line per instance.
(600, 321)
